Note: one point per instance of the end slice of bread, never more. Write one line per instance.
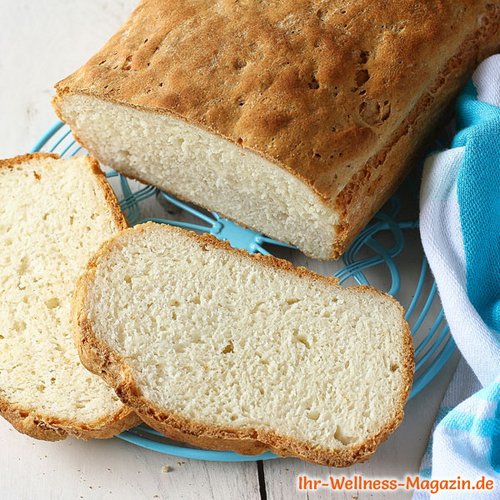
(224, 350)
(54, 214)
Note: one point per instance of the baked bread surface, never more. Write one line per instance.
(54, 214)
(339, 94)
(223, 350)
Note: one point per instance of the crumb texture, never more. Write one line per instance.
(53, 217)
(183, 159)
(226, 340)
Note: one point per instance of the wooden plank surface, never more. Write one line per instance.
(40, 43)
(72, 469)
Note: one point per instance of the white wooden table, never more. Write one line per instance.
(40, 43)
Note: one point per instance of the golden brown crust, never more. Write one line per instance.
(348, 126)
(109, 194)
(370, 188)
(100, 359)
(17, 160)
(47, 427)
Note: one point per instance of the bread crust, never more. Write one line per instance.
(100, 359)
(47, 427)
(352, 164)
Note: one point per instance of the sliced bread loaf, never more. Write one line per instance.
(54, 214)
(225, 350)
(295, 118)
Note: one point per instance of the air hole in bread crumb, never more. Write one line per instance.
(292, 301)
(229, 348)
(346, 364)
(23, 266)
(196, 299)
(52, 303)
(362, 76)
(127, 279)
(37, 175)
(52, 380)
(301, 338)
(19, 326)
(313, 415)
(341, 437)
(174, 303)
(233, 417)
(40, 388)
(257, 306)
(394, 367)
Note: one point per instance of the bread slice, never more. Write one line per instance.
(296, 119)
(54, 214)
(224, 350)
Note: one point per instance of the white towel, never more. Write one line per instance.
(460, 229)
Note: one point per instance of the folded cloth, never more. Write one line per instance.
(460, 229)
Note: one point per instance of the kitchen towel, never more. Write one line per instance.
(460, 230)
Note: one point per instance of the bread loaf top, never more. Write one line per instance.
(317, 87)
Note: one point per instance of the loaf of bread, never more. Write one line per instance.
(54, 214)
(224, 350)
(297, 119)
